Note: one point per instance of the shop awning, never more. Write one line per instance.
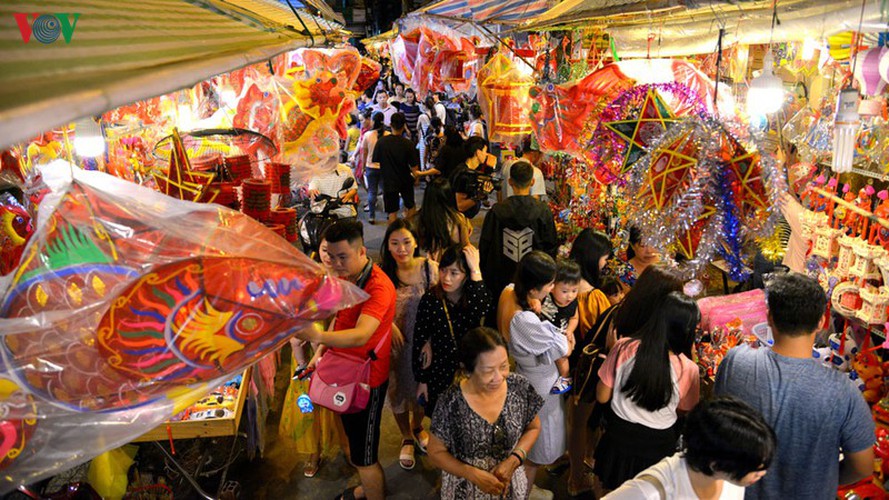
(122, 52)
(682, 27)
(488, 11)
(573, 12)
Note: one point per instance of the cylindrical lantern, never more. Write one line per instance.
(846, 127)
(867, 71)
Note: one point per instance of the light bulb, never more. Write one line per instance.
(765, 94)
(809, 48)
(88, 139)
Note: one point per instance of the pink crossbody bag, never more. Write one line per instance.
(341, 382)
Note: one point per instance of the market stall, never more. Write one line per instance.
(102, 284)
(687, 123)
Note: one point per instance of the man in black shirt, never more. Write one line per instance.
(513, 228)
(464, 178)
(398, 159)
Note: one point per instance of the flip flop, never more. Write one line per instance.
(310, 469)
(405, 457)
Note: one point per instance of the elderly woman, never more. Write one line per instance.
(484, 424)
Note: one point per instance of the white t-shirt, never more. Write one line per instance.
(617, 369)
(331, 183)
(476, 129)
(387, 113)
(537, 189)
(672, 473)
(441, 111)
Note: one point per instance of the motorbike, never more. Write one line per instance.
(320, 215)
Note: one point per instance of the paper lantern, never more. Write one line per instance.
(867, 71)
(883, 65)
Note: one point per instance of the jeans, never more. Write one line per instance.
(374, 180)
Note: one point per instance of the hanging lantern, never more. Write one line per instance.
(867, 71)
(883, 66)
(89, 142)
(846, 123)
(766, 92)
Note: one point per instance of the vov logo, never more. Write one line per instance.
(46, 28)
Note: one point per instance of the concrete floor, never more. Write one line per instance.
(278, 475)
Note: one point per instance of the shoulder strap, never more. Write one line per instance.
(648, 478)
(444, 305)
(603, 324)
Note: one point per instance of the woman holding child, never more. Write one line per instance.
(536, 345)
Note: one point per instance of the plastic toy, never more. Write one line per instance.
(304, 402)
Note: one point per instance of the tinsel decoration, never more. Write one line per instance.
(633, 121)
(731, 229)
(700, 192)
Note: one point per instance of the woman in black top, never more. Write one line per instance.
(446, 312)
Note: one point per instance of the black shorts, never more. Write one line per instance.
(390, 197)
(363, 429)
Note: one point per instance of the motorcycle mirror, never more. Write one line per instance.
(348, 183)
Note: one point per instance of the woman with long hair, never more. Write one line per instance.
(641, 302)
(412, 276)
(646, 383)
(591, 251)
(536, 344)
(440, 224)
(485, 424)
(454, 306)
(726, 447)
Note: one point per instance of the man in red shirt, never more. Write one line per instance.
(357, 330)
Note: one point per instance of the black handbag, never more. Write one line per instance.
(592, 356)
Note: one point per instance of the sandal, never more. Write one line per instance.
(311, 467)
(421, 439)
(406, 460)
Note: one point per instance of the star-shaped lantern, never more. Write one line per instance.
(640, 131)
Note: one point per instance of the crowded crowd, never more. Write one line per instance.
(502, 359)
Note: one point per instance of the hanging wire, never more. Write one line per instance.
(718, 68)
(856, 40)
(775, 22)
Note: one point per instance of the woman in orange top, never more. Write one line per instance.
(591, 250)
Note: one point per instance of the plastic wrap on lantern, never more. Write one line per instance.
(428, 71)
(130, 305)
(403, 50)
(505, 100)
(16, 228)
(458, 67)
(367, 75)
(561, 113)
(257, 107)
